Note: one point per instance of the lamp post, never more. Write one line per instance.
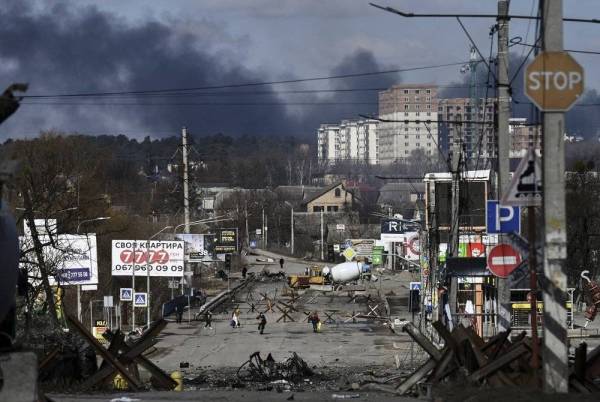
(198, 222)
(101, 218)
(148, 274)
(291, 226)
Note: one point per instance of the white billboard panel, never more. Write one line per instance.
(157, 257)
(74, 258)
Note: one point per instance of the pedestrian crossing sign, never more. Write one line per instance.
(140, 299)
(126, 294)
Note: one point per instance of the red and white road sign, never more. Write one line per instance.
(502, 260)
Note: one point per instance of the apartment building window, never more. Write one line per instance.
(417, 129)
(406, 151)
(429, 144)
(417, 106)
(405, 107)
(418, 114)
(428, 136)
(405, 128)
(416, 98)
(418, 137)
(428, 113)
(406, 144)
(406, 136)
(417, 91)
(428, 106)
(418, 145)
(428, 98)
(428, 91)
(406, 92)
(406, 99)
(405, 114)
(317, 208)
(338, 193)
(332, 208)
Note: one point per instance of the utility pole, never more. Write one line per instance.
(292, 230)
(455, 218)
(322, 235)
(186, 194)
(555, 349)
(186, 197)
(262, 231)
(503, 138)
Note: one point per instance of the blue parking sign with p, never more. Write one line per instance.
(502, 218)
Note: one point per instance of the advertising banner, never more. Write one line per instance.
(74, 258)
(198, 247)
(226, 241)
(156, 258)
(413, 248)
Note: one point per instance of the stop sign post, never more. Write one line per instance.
(502, 260)
(554, 81)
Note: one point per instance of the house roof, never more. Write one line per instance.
(311, 197)
(393, 193)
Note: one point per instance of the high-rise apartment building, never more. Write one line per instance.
(351, 140)
(524, 136)
(470, 126)
(412, 110)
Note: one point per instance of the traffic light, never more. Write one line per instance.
(228, 262)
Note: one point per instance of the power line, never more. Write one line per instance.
(247, 84)
(515, 42)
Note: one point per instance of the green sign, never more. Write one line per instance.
(377, 255)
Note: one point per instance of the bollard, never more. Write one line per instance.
(119, 383)
(176, 375)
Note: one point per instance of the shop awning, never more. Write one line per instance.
(467, 266)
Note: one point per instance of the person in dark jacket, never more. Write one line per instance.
(179, 312)
(208, 319)
(262, 323)
(244, 272)
(281, 261)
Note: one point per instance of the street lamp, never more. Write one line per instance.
(198, 222)
(292, 226)
(101, 218)
(148, 274)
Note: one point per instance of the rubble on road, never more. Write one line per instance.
(258, 369)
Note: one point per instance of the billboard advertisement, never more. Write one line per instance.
(198, 247)
(153, 258)
(73, 258)
(392, 230)
(226, 241)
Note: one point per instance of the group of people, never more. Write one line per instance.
(313, 318)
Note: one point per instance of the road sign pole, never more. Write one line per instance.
(531, 232)
(555, 353)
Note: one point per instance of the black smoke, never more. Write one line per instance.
(66, 48)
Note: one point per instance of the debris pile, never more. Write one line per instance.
(498, 362)
(258, 369)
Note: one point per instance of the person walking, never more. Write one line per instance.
(314, 320)
(234, 320)
(244, 272)
(281, 261)
(179, 312)
(208, 320)
(262, 323)
(237, 312)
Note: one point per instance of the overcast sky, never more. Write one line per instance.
(119, 45)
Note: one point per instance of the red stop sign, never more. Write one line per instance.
(502, 260)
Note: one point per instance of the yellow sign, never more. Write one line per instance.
(349, 254)
(554, 81)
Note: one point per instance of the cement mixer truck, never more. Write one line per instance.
(350, 271)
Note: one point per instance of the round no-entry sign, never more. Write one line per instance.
(502, 260)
